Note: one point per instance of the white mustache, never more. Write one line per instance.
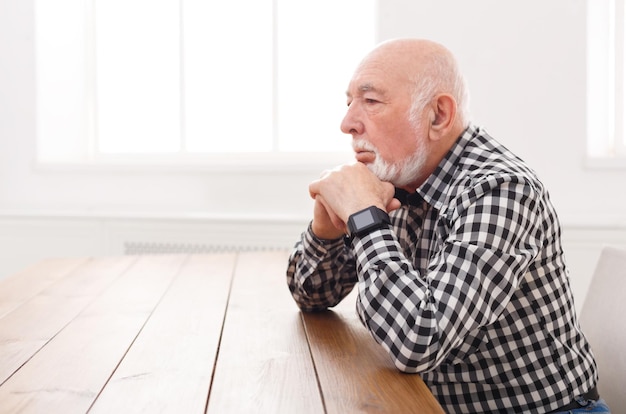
(362, 145)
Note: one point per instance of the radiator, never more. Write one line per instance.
(138, 248)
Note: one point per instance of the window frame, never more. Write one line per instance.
(88, 158)
(606, 84)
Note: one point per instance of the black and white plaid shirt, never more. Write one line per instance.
(468, 287)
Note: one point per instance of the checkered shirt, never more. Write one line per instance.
(468, 286)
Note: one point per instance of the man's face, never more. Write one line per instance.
(385, 138)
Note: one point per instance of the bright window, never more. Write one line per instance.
(606, 79)
(176, 77)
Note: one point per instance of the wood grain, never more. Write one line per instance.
(68, 373)
(264, 363)
(52, 307)
(170, 365)
(355, 373)
(20, 287)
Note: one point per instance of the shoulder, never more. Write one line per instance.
(482, 154)
(478, 168)
(484, 171)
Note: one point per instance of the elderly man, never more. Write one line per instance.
(452, 242)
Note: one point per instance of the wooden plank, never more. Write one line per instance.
(355, 373)
(264, 363)
(67, 374)
(25, 330)
(169, 367)
(20, 287)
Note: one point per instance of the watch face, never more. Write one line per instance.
(363, 219)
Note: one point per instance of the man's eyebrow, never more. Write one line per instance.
(366, 87)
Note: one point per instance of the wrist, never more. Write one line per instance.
(324, 233)
(367, 220)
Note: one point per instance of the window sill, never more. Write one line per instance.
(8, 215)
(605, 163)
(189, 163)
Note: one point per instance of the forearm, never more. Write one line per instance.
(320, 273)
(419, 316)
(396, 305)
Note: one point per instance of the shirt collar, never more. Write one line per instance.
(406, 198)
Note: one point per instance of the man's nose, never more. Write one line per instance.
(351, 123)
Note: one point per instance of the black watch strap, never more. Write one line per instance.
(367, 220)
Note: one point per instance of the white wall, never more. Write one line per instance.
(525, 63)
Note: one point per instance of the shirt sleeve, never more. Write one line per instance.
(320, 272)
(485, 242)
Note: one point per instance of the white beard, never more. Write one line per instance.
(400, 174)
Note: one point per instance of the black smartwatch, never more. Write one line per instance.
(367, 220)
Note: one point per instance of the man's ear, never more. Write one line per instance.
(443, 116)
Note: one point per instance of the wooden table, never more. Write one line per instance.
(216, 333)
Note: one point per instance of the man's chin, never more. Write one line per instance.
(382, 174)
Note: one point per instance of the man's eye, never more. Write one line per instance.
(371, 101)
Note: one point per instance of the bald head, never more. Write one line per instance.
(429, 67)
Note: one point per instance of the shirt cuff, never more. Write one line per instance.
(317, 247)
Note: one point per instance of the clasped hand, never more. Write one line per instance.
(342, 191)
